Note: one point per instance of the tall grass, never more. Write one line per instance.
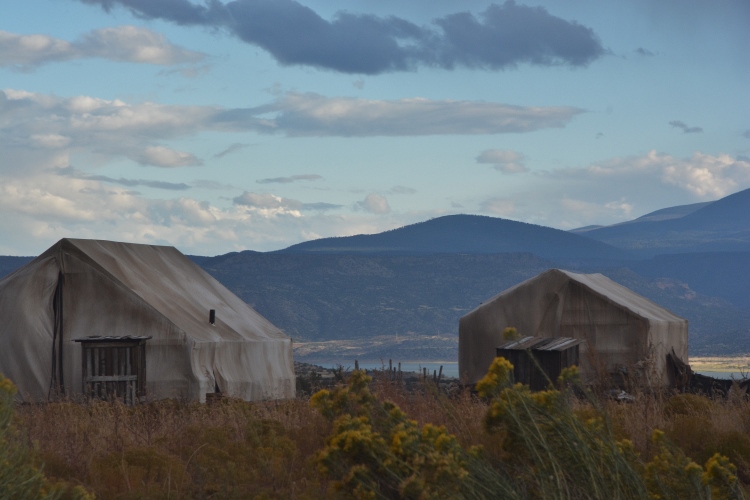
(374, 439)
(20, 474)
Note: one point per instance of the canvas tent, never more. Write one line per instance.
(622, 331)
(80, 288)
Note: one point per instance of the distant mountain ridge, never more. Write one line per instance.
(469, 234)
(719, 226)
(336, 297)
(658, 215)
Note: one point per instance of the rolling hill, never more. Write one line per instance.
(470, 234)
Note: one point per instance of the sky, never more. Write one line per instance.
(220, 126)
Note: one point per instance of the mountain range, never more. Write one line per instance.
(403, 290)
(719, 226)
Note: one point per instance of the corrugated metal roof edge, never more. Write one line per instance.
(541, 343)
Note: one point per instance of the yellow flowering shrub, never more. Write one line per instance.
(375, 450)
(720, 476)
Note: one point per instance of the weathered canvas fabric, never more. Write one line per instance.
(80, 288)
(623, 331)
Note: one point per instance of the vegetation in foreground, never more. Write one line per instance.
(373, 439)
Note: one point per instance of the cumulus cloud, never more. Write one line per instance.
(40, 209)
(375, 204)
(702, 175)
(500, 37)
(34, 125)
(121, 43)
(34, 122)
(685, 128)
(290, 179)
(504, 160)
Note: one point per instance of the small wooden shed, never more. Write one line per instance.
(537, 361)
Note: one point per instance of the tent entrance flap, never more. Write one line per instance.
(57, 381)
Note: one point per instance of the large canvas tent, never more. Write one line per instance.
(623, 332)
(80, 288)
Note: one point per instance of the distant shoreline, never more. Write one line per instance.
(719, 364)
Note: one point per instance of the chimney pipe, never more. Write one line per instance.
(212, 316)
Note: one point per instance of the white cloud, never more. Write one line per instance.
(37, 125)
(619, 189)
(40, 209)
(375, 204)
(277, 205)
(504, 160)
(34, 121)
(120, 43)
(310, 114)
(702, 175)
(269, 204)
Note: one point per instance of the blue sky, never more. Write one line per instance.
(256, 124)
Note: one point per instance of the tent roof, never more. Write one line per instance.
(603, 287)
(170, 283)
(622, 296)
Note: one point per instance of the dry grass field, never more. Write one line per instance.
(375, 439)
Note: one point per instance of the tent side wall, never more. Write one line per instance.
(26, 330)
(615, 339)
(665, 336)
(532, 307)
(245, 369)
(94, 304)
(242, 352)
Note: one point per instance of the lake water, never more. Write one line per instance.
(723, 375)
